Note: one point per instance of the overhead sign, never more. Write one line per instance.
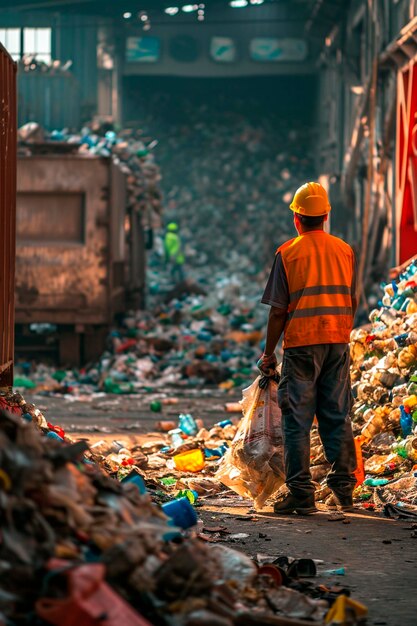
(143, 49)
(223, 49)
(271, 49)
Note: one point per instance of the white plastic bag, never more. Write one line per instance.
(254, 464)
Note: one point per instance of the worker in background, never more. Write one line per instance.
(312, 294)
(174, 255)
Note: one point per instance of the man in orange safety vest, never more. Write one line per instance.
(312, 294)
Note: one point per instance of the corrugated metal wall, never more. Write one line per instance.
(52, 100)
(7, 214)
(76, 39)
(73, 38)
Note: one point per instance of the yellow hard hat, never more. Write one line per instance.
(311, 199)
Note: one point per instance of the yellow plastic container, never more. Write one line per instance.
(411, 401)
(190, 461)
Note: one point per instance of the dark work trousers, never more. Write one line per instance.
(177, 272)
(315, 381)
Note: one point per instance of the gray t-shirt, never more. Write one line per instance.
(276, 291)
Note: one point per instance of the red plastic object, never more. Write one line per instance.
(369, 506)
(271, 570)
(90, 601)
(4, 406)
(126, 345)
(57, 429)
(360, 468)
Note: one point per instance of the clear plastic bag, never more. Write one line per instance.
(253, 466)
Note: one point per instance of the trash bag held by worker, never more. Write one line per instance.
(253, 466)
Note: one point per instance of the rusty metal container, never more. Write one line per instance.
(8, 128)
(71, 252)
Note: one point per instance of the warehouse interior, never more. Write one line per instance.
(208, 322)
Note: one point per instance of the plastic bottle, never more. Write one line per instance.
(377, 422)
(224, 423)
(401, 340)
(388, 316)
(398, 302)
(406, 421)
(411, 307)
(376, 482)
(176, 437)
(187, 424)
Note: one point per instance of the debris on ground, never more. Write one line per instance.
(77, 542)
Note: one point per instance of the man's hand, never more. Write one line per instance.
(267, 364)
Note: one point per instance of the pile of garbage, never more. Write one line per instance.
(384, 414)
(127, 149)
(77, 544)
(192, 340)
(32, 63)
(230, 166)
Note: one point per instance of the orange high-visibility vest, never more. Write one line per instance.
(320, 273)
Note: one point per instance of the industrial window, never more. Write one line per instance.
(34, 41)
(37, 41)
(11, 40)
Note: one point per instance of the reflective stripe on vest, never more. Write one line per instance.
(319, 269)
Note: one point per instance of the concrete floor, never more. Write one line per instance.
(379, 555)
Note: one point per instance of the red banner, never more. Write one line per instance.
(406, 163)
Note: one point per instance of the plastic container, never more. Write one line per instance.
(53, 435)
(225, 423)
(411, 401)
(190, 461)
(215, 453)
(187, 424)
(134, 478)
(181, 513)
(406, 422)
(360, 470)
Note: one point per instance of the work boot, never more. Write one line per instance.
(340, 502)
(291, 504)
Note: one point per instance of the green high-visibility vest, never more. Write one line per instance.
(173, 250)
